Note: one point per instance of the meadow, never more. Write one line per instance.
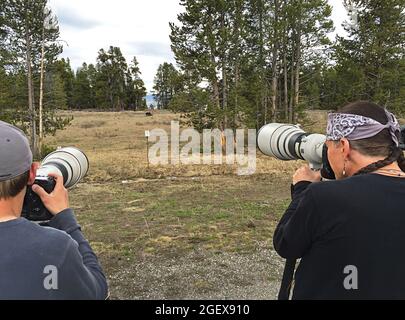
(176, 231)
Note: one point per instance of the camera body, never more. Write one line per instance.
(33, 208)
(70, 163)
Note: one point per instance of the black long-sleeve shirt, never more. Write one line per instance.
(356, 223)
(55, 262)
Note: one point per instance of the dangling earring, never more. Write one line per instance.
(344, 169)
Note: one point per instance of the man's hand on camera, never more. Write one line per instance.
(58, 200)
(306, 174)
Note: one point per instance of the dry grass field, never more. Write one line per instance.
(176, 232)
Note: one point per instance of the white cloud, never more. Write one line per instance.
(339, 15)
(138, 27)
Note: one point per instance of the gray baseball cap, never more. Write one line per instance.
(15, 152)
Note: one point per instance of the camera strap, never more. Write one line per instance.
(287, 281)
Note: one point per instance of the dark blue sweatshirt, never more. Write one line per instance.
(54, 262)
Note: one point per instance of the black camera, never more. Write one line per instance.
(70, 163)
(33, 208)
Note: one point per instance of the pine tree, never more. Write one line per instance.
(252, 53)
(310, 23)
(27, 43)
(136, 90)
(5, 90)
(83, 97)
(3, 33)
(55, 92)
(166, 85)
(196, 45)
(111, 80)
(64, 70)
(373, 55)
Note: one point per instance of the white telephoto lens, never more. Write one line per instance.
(72, 164)
(280, 141)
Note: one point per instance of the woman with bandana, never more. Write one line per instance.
(349, 233)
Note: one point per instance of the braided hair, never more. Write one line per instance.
(381, 145)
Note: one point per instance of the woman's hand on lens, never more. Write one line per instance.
(306, 174)
(58, 199)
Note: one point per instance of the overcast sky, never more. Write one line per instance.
(138, 27)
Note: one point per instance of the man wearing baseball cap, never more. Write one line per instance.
(36, 262)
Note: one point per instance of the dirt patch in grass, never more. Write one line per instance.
(201, 274)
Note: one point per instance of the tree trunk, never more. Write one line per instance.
(110, 92)
(31, 104)
(41, 95)
(285, 85)
(263, 93)
(213, 77)
(278, 98)
(285, 65)
(265, 101)
(298, 67)
(214, 84)
(275, 64)
(236, 106)
(224, 95)
(291, 106)
(274, 88)
(215, 89)
(236, 40)
(224, 72)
